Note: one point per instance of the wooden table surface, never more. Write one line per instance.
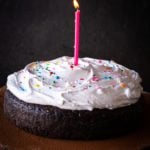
(14, 138)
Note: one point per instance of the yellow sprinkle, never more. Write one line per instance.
(33, 66)
(37, 85)
(123, 85)
(58, 62)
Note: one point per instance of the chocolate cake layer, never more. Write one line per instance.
(53, 122)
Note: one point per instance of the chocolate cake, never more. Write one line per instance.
(96, 99)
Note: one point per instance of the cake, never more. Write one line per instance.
(56, 99)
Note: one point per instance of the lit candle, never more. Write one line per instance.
(77, 32)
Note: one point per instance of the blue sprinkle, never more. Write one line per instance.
(57, 77)
(22, 88)
(105, 77)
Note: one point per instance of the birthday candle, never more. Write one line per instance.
(77, 33)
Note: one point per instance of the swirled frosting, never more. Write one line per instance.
(92, 84)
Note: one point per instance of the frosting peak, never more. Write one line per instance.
(92, 84)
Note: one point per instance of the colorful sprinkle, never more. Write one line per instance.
(22, 88)
(51, 73)
(46, 68)
(105, 78)
(37, 85)
(108, 78)
(81, 78)
(108, 69)
(57, 77)
(57, 62)
(100, 61)
(85, 88)
(95, 78)
(71, 66)
(123, 85)
(54, 82)
(90, 86)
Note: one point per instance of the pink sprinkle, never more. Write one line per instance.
(85, 88)
(95, 78)
(81, 78)
(51, 73)
(98, 88)
(100, 61)
(71, 66)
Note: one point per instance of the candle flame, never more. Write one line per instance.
(76, 4)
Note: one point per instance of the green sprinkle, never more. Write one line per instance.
(46, 68)
(110, 77)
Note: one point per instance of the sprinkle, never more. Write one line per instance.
(81, 78)
(85, 88)
(57, 62)
(105, 78)
(100, 61)
(57, 77)
(108, 68)
(95, 78)
(22, 88)
(51, 73)
(108, 78)
(54, 82)
(123, 85)
(90, 86)
(71, 66)
(46, 68)
(37, 85)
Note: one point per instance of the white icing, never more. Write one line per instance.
(92, 84)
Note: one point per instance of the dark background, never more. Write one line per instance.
(33, 30)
